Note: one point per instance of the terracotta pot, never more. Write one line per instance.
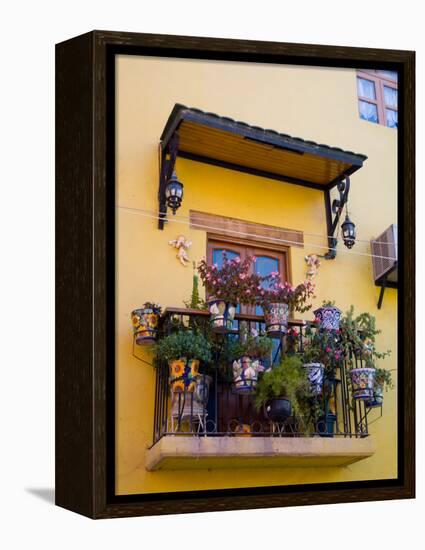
(222, 315)
(362, 382)
(245, 374)
(278, 409)
(315, 375)
(145, 325)
(184, 374)
(276, 319)
(329, 317)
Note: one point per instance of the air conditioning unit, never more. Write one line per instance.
(384, 260)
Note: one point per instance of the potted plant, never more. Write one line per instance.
(328, 316)
(228, 286)
(358, 335)
(284, 391)
(383, 380)
(278, 299)
(183, 351)
(247, 356)
(323, 353)
(145, 322)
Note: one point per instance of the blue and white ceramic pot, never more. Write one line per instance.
(315, 375)
(328, 317)
(222, 315)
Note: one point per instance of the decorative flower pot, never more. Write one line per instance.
(222, 315)
(184, 374)
(145, 325)
(245, 374)
(326, 425)
(276, 319)
(278, 409)
(378, 397)
(362, 382)
(329, 317)
(315, 375)
(200, 395)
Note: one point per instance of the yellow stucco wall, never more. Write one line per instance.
(319, 104)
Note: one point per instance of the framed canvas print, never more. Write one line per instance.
(235, 274)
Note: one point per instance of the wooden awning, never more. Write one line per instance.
(222, 141)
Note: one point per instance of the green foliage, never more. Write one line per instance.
(195, 301)
(323, 346)
(288, 380)
(328, 303)
(183, 343)
(383, 379)
(258, 347)
(358, 333)
(154, 306)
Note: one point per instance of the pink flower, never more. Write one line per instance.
(237, 260)
(328, 349)
(242, 276)
(254, 258)
(247, 291)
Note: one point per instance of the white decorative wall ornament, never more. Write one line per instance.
(313, 263)
(182, 245)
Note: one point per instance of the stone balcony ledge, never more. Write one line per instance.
(176, 452)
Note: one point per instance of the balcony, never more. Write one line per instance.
(217, 427)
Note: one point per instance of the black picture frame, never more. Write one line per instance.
(85, 134)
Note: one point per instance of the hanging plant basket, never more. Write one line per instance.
(362, 382)
(315, 375)
(328, 317)
(184, 374)
(378, 397)
(245, 374)
(145, 322)
(278, 409)
(222, 315)
(276, 318)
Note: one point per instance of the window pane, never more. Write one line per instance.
(368, 111)
(218, 259)
(392, 118)
(390, 96)
(366, 88)
(389, 74)
(218, 256)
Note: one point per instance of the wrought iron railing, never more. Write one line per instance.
(215, 409)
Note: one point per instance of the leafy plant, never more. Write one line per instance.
(233, 282)
(258, 347)
(289, 380)
(323, 346)
(273, 290)
(383, 379)
(183, 343)
(328, 303)
(195, 302)
(152, 305)
(358, 336)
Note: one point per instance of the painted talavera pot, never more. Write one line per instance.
(196, 403)
(278, 409)
(378, 397)
(145, 325)
(276, 319)
(222, 315)
(328, 317)
(184, 374)
(362, 382)
(245, 374)
(315, 375)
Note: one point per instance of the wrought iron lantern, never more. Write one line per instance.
(348, 232)
(174, 193)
